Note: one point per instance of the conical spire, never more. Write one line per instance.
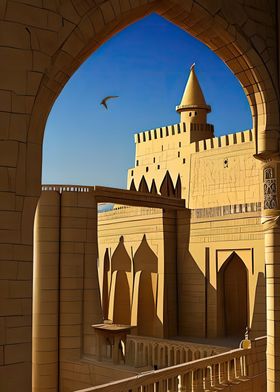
(193, 97)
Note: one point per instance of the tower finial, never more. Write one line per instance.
(193, 98)
(193, 110)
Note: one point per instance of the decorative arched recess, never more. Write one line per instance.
(233, 310)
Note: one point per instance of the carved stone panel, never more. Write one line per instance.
(270, 189)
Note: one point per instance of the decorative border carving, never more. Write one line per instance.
(270, 189)
(212, 212)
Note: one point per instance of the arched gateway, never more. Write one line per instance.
(40, 50)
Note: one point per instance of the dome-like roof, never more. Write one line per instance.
(193, 97)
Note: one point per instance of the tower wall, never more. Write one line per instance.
(225, 172)
(214, 172)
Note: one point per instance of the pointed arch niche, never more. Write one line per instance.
(232, 291)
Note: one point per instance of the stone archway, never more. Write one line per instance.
(41, 49)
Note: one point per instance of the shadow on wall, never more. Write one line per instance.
(196, 296)
(121, 286)
(166, 187)
(131, 288)
(170, 298)
(106, 284)
(145, 294)
(207, 312)
(174, 296)
(258, 326)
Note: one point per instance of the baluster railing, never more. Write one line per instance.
(200, 375)
(159, 353)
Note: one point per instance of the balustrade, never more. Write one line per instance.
(213, 373)
(142, 352)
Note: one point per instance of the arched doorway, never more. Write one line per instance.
(233, 297)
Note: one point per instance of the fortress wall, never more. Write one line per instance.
(223, 141)
(133, 223)
(200, 241)
(165, 148)
(171, 130)
(205, 179)
(159, 133)
(226, 175)
(155, 157)
(211, 242)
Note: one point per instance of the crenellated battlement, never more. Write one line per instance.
(198, 146)
(170, 130)
(223, 141)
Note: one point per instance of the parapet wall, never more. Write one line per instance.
(170, 130)
(223, 141)
(202, 145)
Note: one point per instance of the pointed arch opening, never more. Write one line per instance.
(233, 307)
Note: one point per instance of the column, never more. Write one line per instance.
(271, 225)
(46, 294)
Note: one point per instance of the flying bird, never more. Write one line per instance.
(104, 101)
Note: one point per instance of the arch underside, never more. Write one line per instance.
(210, 25)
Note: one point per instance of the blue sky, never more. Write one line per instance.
(147, 65)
